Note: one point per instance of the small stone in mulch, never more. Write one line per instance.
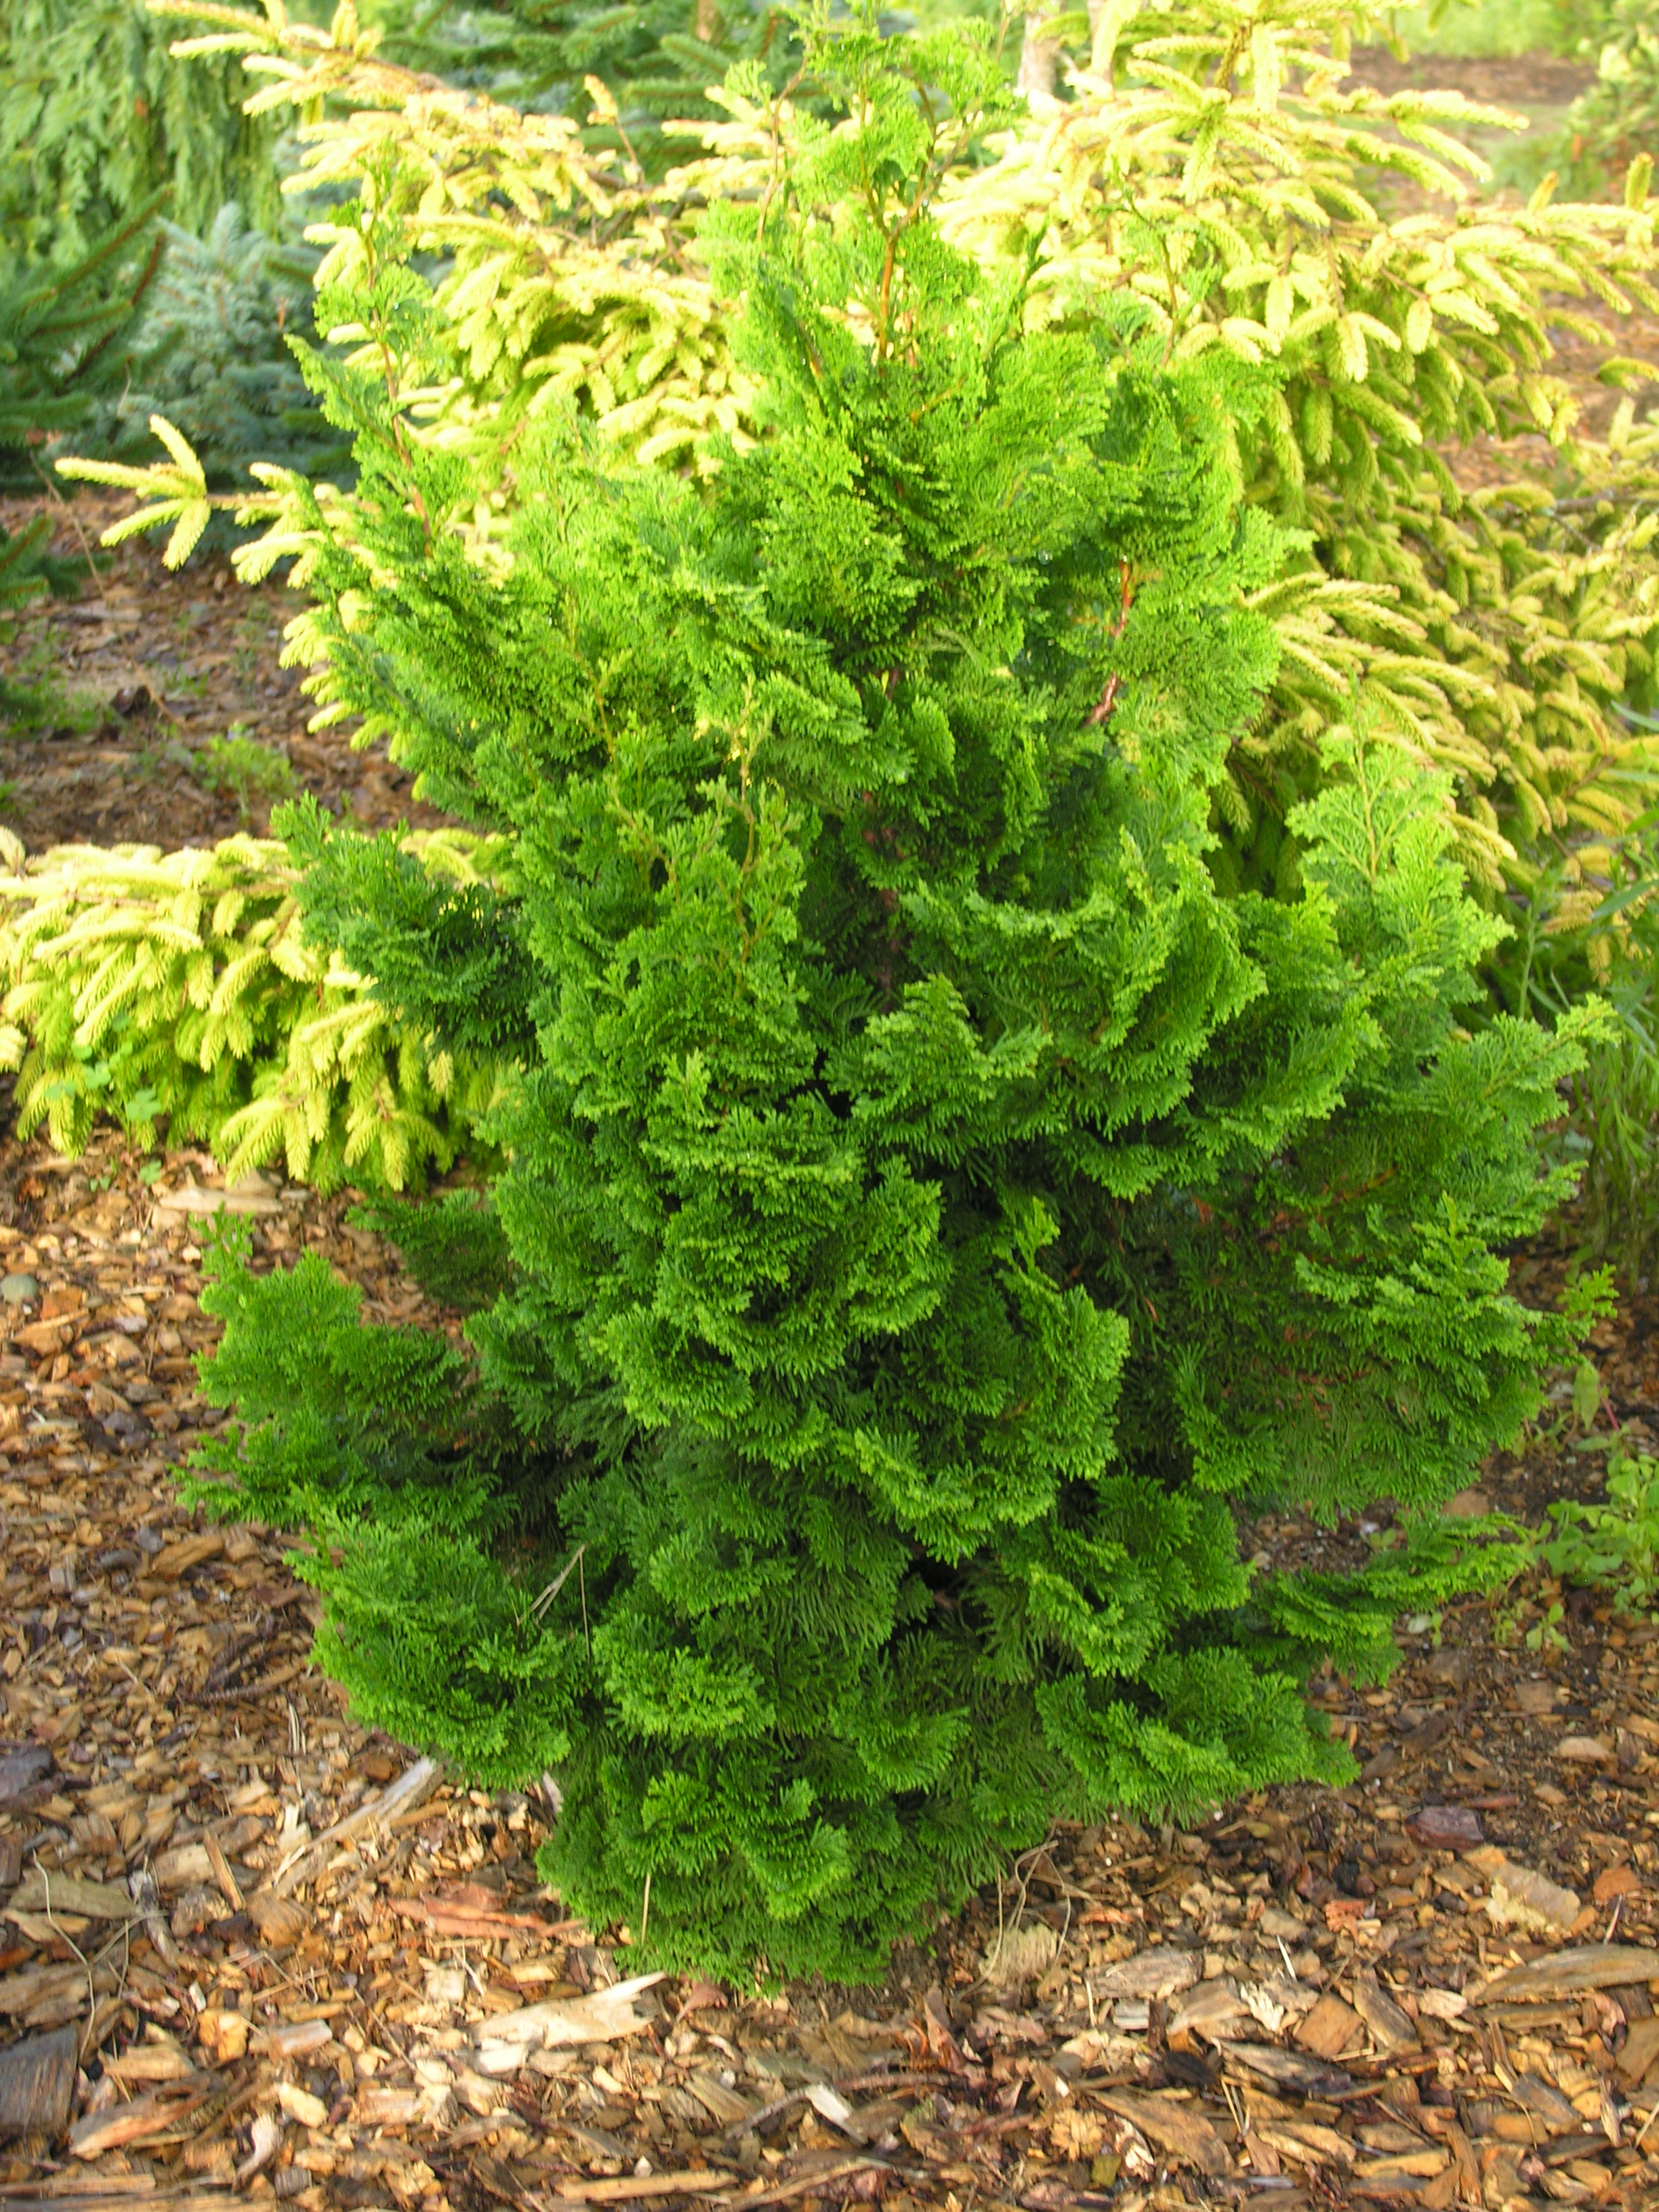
(23, 1767)
(1446, 1827)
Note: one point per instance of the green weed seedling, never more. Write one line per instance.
(238, 767)
(1613, 1546)
(33, 699)
(1546, 1634)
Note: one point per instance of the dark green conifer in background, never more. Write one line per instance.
(63, 337)
(934, 1211)
(210, 353)
(96, 117)
(656, 58)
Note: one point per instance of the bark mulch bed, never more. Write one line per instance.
(1526, 84)
(138, 677)
(246, 1948)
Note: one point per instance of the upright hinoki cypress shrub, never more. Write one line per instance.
(934, 1210)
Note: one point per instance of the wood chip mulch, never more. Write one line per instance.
(136, 679)
(247, 1949)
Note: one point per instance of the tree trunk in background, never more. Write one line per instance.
(1038, 58)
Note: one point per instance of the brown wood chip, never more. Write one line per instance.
(1177, 2128)
(37, 2081)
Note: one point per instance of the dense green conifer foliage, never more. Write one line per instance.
(934, 1211)
(95, 117)
(60, 329)
(62, 335)
(210, 353)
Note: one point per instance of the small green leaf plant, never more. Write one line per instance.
(933, 1204)
(1613, 1544)
(1616, 120)
(243, 770)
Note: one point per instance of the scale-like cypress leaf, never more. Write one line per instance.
(935, 1209)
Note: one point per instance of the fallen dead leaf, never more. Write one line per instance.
(1210, 2009)
(1520, 1898)
(1616, 1881)
(1442, 2004)
(1584, 1750)
(1535, 1698)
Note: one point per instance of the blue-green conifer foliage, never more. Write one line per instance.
(934, 1211)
